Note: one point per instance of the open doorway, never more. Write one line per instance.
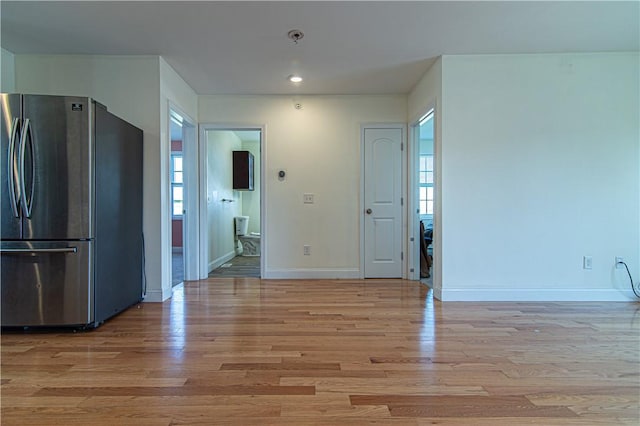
(176, 172)
(424, 192)
(232, 215)
(183, 201)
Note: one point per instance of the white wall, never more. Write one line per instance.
(137, 89)
(251, 199)
(175, 92)
(220, 214)
(127, 85)
(130, 88)
(426, 93)
(319, 148)
(540, 166)
(7, 71)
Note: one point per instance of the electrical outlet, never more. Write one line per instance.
(587, 262)
(307, 198)
(306, 250)
(619, 264)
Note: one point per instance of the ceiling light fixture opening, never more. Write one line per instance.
(295, 35)
(295, 78)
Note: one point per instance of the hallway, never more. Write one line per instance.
(177, 268)
(238, 267)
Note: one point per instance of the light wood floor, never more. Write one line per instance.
(252, 352)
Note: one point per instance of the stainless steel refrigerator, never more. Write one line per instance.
(72, 244)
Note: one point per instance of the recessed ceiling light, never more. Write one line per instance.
(295, 78)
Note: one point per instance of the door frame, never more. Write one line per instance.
(413, 202)
(202, 163)
(413, 215)
(403, 192)
(190, 223)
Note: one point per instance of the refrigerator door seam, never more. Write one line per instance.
(26, 204)
(11, 166)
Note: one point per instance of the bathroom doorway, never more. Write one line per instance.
(233, 193)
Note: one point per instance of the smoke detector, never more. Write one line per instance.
(295, 35)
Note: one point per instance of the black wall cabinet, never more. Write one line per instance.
(243, 170)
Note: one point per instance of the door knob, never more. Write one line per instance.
(369, 211)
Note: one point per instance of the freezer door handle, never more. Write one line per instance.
(39, 250)
(12, 168)
(24, 137)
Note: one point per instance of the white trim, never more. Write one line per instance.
(315, 273)
(191, 226)
(413, 218)
(414, 228)
(203, 252)
(405, 204)
(534, 295)
(361, 203)
(204, 247)
(437, 292)
(427, 116)
(190, 167)
(403, 191)
(221, 260)
(154, 296)
(263, 197)
(172, 183)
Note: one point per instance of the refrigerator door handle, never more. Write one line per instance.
(39, 250)
(12, 167)
(26, 135)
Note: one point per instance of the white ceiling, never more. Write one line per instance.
(349, 47)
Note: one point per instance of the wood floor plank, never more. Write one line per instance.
(328, 352)
(53, 401)
(205, 400)
(461, 406)
(518, 421)
(29, 417)
(337, 411)
(177, 390)
(316, 373)
(478, 411)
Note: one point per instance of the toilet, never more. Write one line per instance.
(250, 242)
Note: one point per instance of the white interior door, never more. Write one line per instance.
(382, 203)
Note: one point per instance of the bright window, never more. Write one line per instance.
(426, 184)
(177, 198)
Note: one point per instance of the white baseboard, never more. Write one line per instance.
(221, 260)
(312, 273)
(437, 293)
(533, 295)
(156, 296)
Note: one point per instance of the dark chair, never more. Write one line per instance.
(425, 260)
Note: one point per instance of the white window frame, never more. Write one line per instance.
(174, 184)
(426, 185)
